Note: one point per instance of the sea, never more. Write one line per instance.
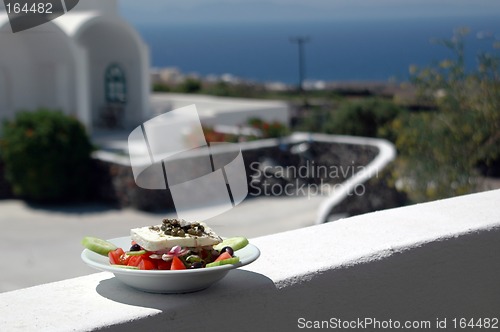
(346, 50)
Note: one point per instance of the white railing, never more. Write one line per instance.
(386, 153)
(429, 265)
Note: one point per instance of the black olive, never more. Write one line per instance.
(229, 250)
(135, 247)
(196, 265)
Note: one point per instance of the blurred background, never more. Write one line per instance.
(348, 40)
(311, 85)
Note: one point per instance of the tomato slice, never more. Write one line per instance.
(162, 265)
(115, 256)
(134, 260)
(146, 264)
(177, 264)
(223, 256)
(124, 258)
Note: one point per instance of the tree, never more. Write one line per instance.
(441, 150)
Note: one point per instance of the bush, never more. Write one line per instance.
(190, 85)
(46, 156)
(362, 117)
(433, 161)
(440, 150)
(239, 90)
(161, 87)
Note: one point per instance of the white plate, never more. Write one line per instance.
(160, 281)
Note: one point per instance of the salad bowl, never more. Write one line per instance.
(168, 281)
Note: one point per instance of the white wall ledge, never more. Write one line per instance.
(423, 262)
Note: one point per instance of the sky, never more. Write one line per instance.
(254, 11)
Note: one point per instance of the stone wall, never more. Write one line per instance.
(114, 184)
(378, 193)
(328, 163)
(333, 163)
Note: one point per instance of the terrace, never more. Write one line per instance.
(424, 264)
(427, 266)
(419, 264)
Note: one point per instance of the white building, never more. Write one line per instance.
(88, 62)
(92, 64)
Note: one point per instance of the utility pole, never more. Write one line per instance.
(300, 43)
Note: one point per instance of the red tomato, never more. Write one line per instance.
(124, 259)
(223, 256)
(134, 260)
(177, 264)
(146, 264)
(114, 256)
(162, 265)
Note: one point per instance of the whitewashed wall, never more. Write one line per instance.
(423, 263)
(61, 64)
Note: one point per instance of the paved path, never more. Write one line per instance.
(42, 245)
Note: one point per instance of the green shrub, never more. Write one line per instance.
(161, 87)
(440, 150)
(363, 117)
(239, 90)
(46, 156)
(190, 85)
(434, 161)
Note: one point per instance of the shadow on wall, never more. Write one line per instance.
(438, 281)
(177, 309)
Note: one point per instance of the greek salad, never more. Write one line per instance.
(172, 245)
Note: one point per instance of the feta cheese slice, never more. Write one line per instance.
(152, 238)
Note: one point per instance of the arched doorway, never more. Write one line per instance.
(116, 72)
(115, 91)
(115, 84)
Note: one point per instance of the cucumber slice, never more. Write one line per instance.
(232, 260)
(99, 246)
(236, 243)
(136, 253)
